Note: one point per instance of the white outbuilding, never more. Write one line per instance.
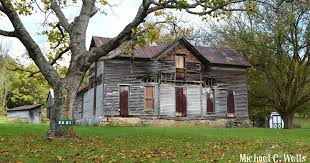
(275, 120)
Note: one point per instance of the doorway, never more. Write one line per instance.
(180, 102)
(123, 100)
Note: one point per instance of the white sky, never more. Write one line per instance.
(100, 25)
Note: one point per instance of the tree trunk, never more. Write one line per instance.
(62, 109)
(288, 120)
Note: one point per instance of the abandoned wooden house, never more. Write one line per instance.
(175, 81)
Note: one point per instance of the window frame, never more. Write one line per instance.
(177, 61)
(180, 71)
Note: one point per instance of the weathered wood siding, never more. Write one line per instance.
(123, 72)
(167, 100)
(88, 104)
(193, 101)
(118, 72)
(28, 116)
(229, 79)
(99, 98)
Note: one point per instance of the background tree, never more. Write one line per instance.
(70, 35)
(17, 87)
(25, 89)
(276, 41)
(5, 77)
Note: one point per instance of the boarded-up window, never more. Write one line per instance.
(148, 100)
(180, 67)
(210, 101)
(230, 104)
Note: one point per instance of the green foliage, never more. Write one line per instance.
(27, 90)
(181, 4)
(278, 78)
(5, 81)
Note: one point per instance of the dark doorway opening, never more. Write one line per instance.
(123, 100)
(180, 102)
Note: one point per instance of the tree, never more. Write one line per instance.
(71, 36)
(4, 77)
(25, 89)
(276, 41)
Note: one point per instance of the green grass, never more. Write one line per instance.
(24, 142)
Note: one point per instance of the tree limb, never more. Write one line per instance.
(7, 33)
(59, 55)
(62, 34)
(124, 35)
(32, 73)
(32, 47)
(20, 69)
(60, 15)
(300, 102)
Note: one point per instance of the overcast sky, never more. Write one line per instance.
(100, 25)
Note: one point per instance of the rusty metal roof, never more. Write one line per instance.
(212, 55)
(25, 107)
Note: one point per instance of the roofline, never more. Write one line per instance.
(229, 65)
(34, 107)
(168, 48)
(187, 45)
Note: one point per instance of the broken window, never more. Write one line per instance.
(180, 66)
(210, 101)
(210, 82)
(148, 100)
(230, 104)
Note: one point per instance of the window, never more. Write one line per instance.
(230, 104)
(179, 61)
(210, 101)
(180, 67)
(148, 100)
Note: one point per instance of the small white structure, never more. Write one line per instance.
(275, 120)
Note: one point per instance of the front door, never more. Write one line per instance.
(123, 100)
(180, 95)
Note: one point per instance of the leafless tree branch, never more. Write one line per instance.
(62, 34)
(7, 33)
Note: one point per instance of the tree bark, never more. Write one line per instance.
(62, 109)
(288, 120)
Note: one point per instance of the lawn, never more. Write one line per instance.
(22, 142)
